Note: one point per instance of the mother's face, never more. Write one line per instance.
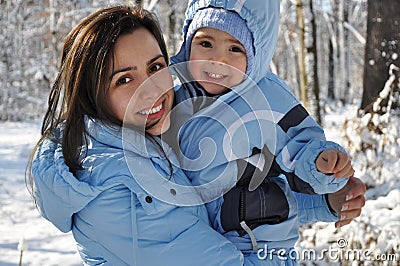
(141, 88)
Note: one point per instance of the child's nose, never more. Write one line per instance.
(220, 56)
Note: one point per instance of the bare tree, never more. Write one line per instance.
(313, 50)
(302, 51)
(308, 58)
(382, 49)
(331, 71)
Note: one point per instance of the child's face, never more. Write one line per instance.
(141, 89)
(223, 58)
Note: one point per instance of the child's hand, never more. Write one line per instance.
(334, 162)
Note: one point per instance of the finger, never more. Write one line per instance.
(342, 160)
(326, 161)
(346, 171)
(343, 223)
(350, 214)
(347, 217)
(332, 160)
(354, 204)
(356, 188)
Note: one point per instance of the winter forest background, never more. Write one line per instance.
(341, 58)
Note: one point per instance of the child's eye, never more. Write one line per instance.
(123, 80)
(155, 67)
(237, 49)
(205, 44)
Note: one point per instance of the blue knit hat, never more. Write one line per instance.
(224, 20)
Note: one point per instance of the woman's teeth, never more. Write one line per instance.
(151, 111)
(215, 76)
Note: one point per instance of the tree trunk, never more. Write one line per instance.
(302, 52)
(346, 53)
(341, 53)
(53, 32)
(331, 72)
(171, 27)
(382, 48)
(316, 112)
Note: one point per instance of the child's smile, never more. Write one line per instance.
(215, 76)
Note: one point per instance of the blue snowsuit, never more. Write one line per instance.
(258, 116)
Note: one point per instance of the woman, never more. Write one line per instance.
(105, 60)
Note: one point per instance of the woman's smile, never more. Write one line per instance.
(155, 113)
(152, 111)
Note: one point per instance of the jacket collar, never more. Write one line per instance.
(124, 138)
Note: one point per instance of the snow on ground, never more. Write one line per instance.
(374, 237)
(377, 230)
(18, 216)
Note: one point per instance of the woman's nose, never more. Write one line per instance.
(149, 89)
(154, 86)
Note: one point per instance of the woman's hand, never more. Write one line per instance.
(348, 201)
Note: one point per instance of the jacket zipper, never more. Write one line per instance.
(242, 206)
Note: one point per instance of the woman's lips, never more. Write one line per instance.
(155, 112)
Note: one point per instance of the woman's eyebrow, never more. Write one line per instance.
(129, 68)
(154, 59)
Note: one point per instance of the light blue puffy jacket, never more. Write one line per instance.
(114, 220)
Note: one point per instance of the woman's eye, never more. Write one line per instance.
(123, 80)
(206, 44)
(155, 67)
(237, 49)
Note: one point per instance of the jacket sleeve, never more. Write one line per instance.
(299, 142)
(305, 141)
(314, 208)
(59, 194)
(124, 234)
(104, 229)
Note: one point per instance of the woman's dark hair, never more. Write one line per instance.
(82, 83)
